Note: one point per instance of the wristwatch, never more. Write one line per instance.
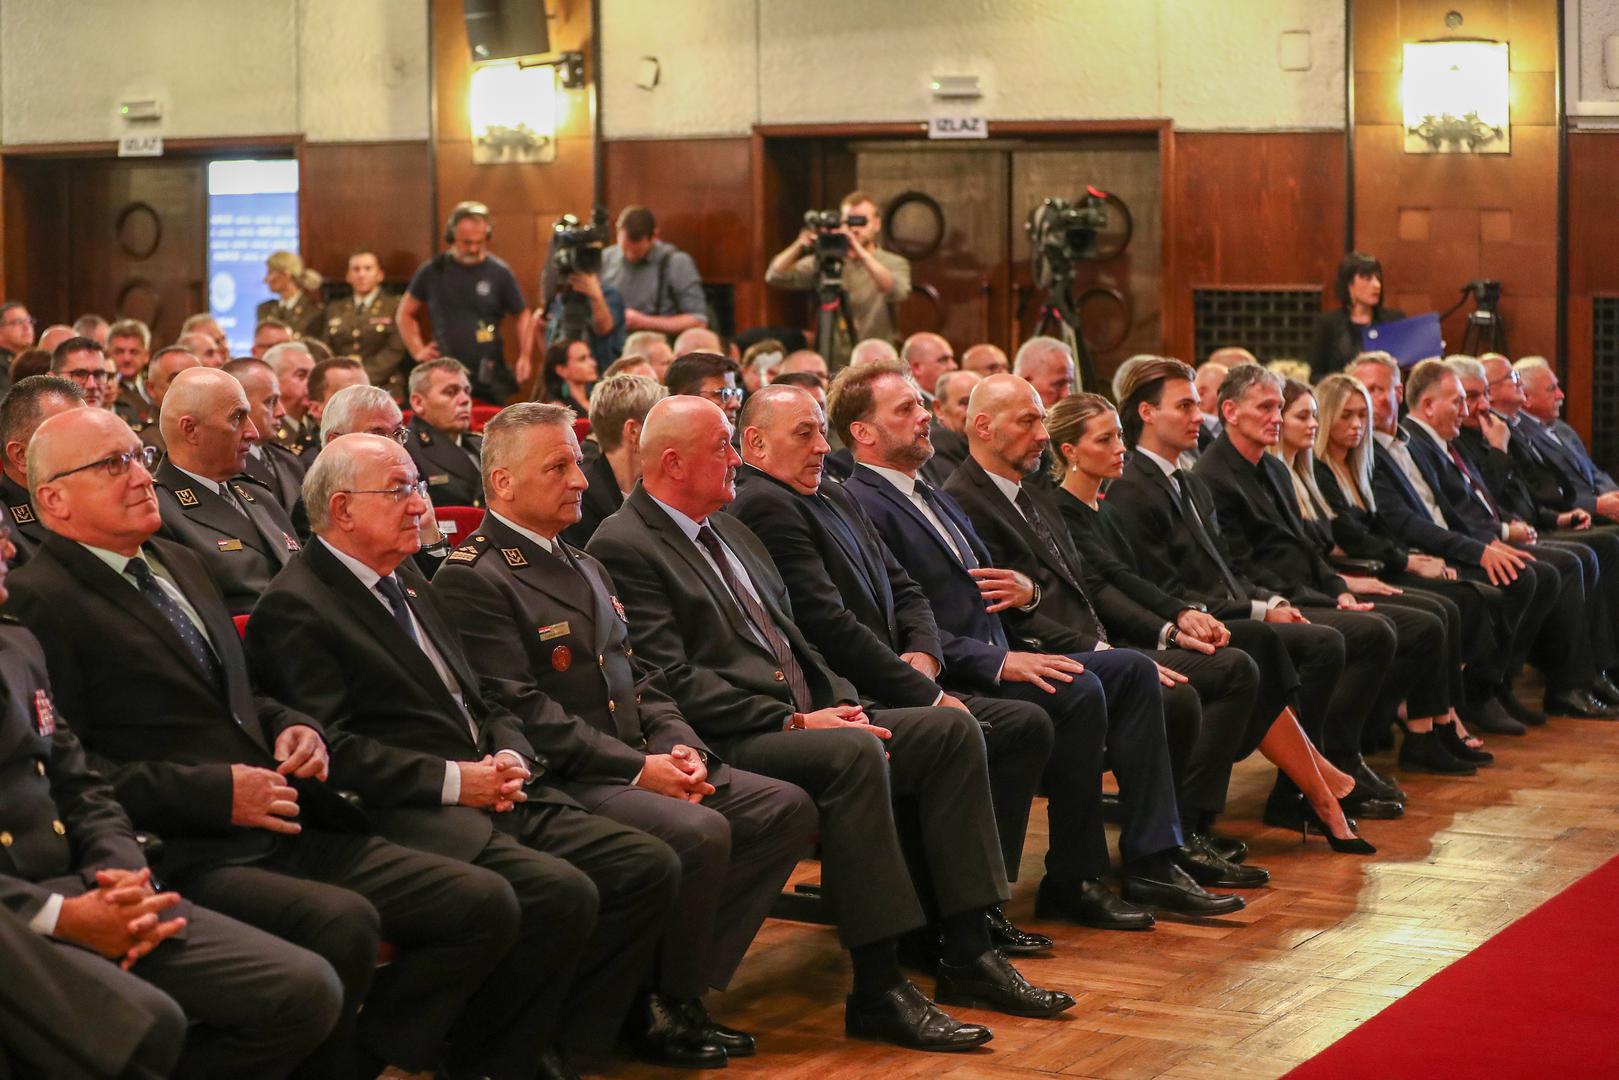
(795, 722)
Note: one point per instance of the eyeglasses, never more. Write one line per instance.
(87, 375)
(400, 434)
(397, 494)
(116, 465)
(723, 394)
(20, 322)
(1512, 377)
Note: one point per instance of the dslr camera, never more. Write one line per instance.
(576, 247)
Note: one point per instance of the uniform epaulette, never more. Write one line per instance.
(469, 551)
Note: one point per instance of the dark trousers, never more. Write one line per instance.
(1603, 600)
(1018, 741)
(1424, 667)
(1319, 655)
(1369, 642)
(935, 761)
(256, 1005)
(1471, 613)
(1111, 717)
(736, 848)
(1563, 649)
(339, 895)
(1226, 684)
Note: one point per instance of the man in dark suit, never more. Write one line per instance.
(441, 442)
(1594, 490)
(871, 622)
(268, 462)
(618, 408)
(233, 781)
(708, 606)
(233, 524)
(1436, 402)
(71, 871)
(950, 421)
(526, 606)
(882, 418)
(349, 634)
(28, 404)
(1211, 691)
(362, 324)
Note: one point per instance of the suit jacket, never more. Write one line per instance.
(17, 513)
(599, 502)
(278, 469)
(1463, 508)
(950, 449)
(1335, 340)
(531, 626)
(1262, 527)
(1501, 476)
(1562, 449)
(850, 595)
(304, 316)
(1071, 593)
(685, 621)
(242, 553)
(132, 407)
(155, 723)
(975, 642)
(1361, 533)
(1402, 512)
(323, 643)
(372, 336)
(1143, 504)
(452, 474)
(1108, 554)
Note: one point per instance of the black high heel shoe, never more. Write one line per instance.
(1354, 845)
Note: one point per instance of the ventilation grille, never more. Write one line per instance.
(1605, 380)
(1271, 323)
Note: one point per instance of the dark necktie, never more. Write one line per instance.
(1188, 509)
(756, 613)
(195, 643)
(391, 592)
(1031, 513)
(1467, 478)
(958, 539)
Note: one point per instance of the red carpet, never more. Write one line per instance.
(1537, 1001)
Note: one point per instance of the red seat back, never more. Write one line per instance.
(482, 414)
(241, 624)
(458, 522)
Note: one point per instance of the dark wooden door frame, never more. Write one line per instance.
(1163, 129)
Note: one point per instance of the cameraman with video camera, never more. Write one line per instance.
(583, 307)
(872, 278)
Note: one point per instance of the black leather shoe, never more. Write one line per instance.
(991, 982)
(1369, 785)
(554, 1065)
(1090, 903)
(1580, 705)
(736, 1044)
(1424, 752)
(1180, 894)
(659, 1032)
(904, 1017)
(1457, 747)
(1228, 848)
(1011, 940)
(1205, 866)
(1605, 690)
(1491, 718)
(1517, 710)
(1376, 809)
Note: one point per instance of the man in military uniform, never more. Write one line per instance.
(363, 325)
(268, 462)
(440, 440)
(268, 334)
(160, 373)
(129, 345)
(71, 870)
(28, 404)
(326, 378)
(613, 738)
(234, 524)
(292, 364)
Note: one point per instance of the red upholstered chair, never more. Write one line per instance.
(581, 428)
(404, 416)
(457, 522)
(482, 414)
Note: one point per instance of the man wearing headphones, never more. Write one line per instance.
(468, 293)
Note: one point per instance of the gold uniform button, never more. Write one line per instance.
(5, 839)
(59, 828)
(628, 651)
(638, 699)
(780, 677)
(612, 706)
(39, 767)
(601, 661)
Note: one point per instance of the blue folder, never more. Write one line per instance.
(1410, 341)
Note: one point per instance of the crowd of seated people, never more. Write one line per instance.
(359, 727)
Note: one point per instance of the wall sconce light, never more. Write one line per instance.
(1456, 97)
(513, 110)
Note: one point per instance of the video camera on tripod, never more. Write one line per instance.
(1061, 233)
(831, 244)
(577, 248)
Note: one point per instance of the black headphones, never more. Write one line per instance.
(464, 210)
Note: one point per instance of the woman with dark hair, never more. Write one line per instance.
(1088, 448)
(1339, 333)
(570, 372)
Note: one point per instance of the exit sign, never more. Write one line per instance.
(958, 126)
(140, 146)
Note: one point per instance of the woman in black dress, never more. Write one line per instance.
(570, 372)
(1089, 449)
(1340, 334)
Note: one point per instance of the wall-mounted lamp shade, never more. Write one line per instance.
(513, 111)
(1456, 97)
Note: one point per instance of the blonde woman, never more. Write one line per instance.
(1089, 450)
(295, 287)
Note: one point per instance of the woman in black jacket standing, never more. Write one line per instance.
(1340, 334)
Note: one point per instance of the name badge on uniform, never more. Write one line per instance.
(555, 630)
(230, 545)
(514, 558)
(486, 334)
(22, 515)
(186, 496)
(44, 714)
(438, 479)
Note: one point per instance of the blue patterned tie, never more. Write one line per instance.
(195, 643)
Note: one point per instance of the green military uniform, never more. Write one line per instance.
(304, 316)
(369, 331)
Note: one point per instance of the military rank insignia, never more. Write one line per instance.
(22, 515)
(186, 496)
(514, 558)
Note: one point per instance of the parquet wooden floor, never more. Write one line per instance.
(1334, 940)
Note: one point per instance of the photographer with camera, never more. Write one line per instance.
(584, 307)
(661, 287)
(468, 293)
(837, 254)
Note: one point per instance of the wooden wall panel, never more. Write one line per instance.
(1251, 208)
(376, 195)
(1437, 221)
(1593, 237)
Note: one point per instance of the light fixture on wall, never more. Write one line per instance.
(1456, 97)
(513, 111)
(955, 88)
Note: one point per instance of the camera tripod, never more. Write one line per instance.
(831, 314)
(1486, 332)
(1060, 319)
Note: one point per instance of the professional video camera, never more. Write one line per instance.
(1062, 233)
(831, 246)
(576, 247)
